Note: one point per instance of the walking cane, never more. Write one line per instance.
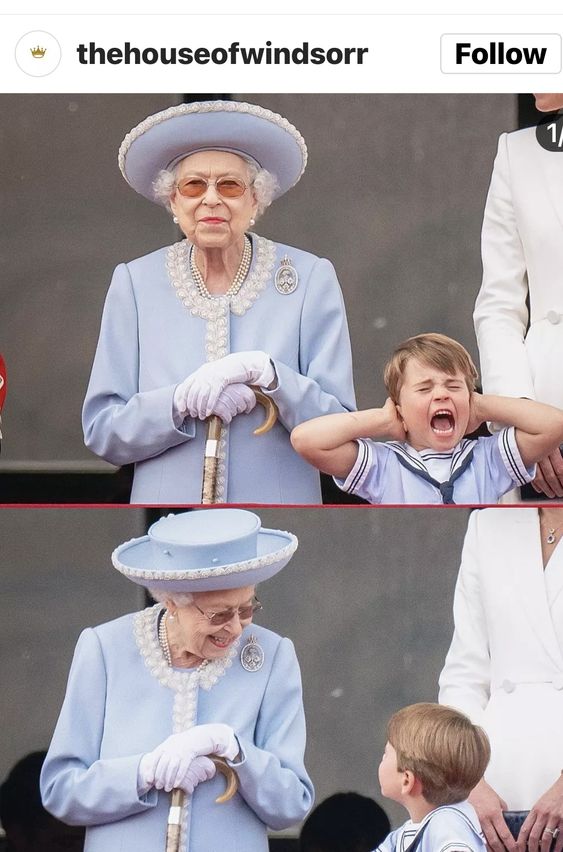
(208, 495)
(211, 458)
(174, 827)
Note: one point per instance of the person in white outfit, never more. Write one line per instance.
(504, 668)
(519, 310)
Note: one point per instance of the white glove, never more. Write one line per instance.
(166, 766)
(200, 769)
(235, 399)
(199, 393)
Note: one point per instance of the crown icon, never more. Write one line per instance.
(38, 52)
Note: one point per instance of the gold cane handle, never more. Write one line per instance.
(230, 776)
(213, 437)
(178, 797)
(270, 408)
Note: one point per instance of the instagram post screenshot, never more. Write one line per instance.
(281, 429)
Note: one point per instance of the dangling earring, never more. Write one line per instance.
(252, 223)
(175, 219)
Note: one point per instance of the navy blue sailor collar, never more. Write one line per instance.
(461, 457)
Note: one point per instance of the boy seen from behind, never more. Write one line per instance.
(433, 758)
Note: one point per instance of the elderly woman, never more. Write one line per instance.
(151, 695)
(188, 329)
(505, 668)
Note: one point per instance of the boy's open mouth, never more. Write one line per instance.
(443, 422)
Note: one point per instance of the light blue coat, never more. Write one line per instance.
(115, 709)
(157, 329)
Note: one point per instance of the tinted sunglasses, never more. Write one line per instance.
(226, 187)
(243, 612)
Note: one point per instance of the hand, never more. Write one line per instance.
(546, 813)
(200, 769)
(199, 393)
(475, 416)
(489, 807)
(549, 475)
(235, 399)
(166, 767)
(394, 428)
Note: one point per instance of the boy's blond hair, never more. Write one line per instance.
(442, 748)
(437, 351)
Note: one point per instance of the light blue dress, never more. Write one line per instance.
(157, 328)
(122, 700)
(481, 471)
(446, 829)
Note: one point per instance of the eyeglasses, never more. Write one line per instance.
(227, 187)
(244, 613)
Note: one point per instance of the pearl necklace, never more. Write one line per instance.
(165, 644)
(163, 639)
(239, 278)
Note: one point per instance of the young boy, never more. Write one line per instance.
(432, 405)
(433, 758)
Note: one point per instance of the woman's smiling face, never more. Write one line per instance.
(213, 221)
(199, 636)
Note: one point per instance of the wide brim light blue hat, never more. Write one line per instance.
(165, 138)
(205, 550)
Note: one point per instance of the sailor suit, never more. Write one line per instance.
(451, 828)
(478, 471)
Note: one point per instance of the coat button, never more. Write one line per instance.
(553, 317)
(508, 686)
(558, 681)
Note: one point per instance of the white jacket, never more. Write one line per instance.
(522, 250)
(504, 668)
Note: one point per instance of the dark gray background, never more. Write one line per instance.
(367, 600)
(393, 195)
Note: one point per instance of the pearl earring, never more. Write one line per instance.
(175, 219)
(252, 223)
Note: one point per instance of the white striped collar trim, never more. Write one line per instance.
(416, 460)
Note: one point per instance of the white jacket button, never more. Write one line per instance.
(553, 317)
(508, 686)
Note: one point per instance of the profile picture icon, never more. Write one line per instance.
(38, 53)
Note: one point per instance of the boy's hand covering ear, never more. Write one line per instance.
(394, 427)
